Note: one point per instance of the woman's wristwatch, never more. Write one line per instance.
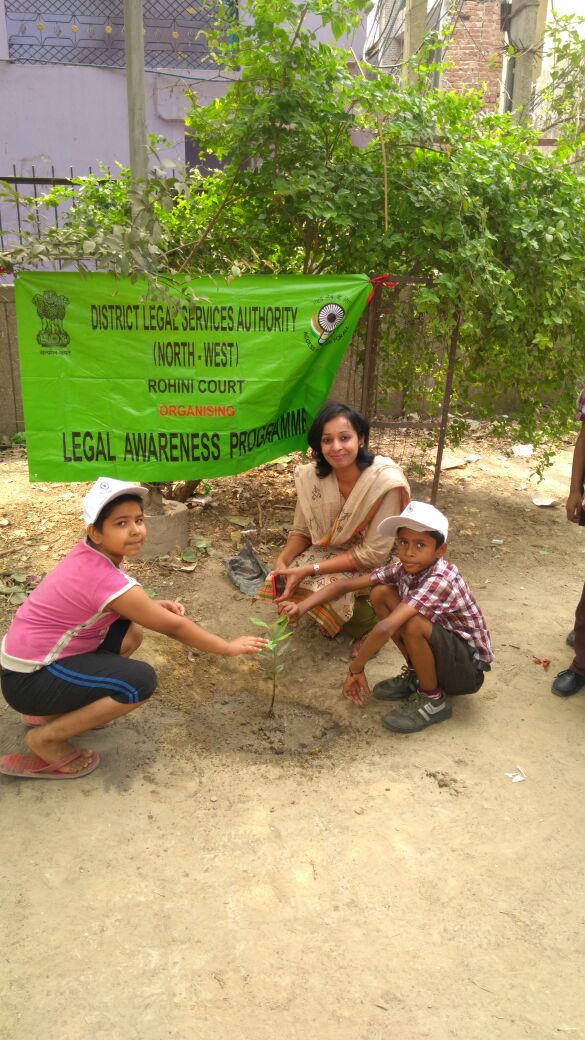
(316, 568)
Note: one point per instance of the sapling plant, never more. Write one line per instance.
(276, 647)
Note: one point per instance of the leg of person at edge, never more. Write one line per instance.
(572, 679)
(342, 497)
(428, 610)
(65, 660)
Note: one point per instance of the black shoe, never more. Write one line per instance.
(570, 640)
(567, 683)
(397, 689)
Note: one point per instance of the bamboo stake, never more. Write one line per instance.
(445, 406)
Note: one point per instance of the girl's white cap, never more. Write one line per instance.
(418, 516)
(103, 491)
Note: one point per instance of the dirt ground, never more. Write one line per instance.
(223, 876)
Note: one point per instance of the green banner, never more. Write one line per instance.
(116, 383)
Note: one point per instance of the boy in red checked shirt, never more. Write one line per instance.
(572, 679)
(427, 608)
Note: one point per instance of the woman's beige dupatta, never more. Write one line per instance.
(335, 526)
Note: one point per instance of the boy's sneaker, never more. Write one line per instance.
(398, 688)
(419, 712)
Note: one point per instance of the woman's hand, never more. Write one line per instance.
(293, 577)
(356, 689)
(279, 565)
(172, 605)
(245, 645)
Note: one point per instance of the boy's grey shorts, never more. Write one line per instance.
(456, 671)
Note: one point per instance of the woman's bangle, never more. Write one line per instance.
(359, 672)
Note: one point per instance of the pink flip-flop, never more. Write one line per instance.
(42, 720)
(32, 767)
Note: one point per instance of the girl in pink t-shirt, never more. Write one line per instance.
(65, 660)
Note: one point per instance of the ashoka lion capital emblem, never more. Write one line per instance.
(51, 310)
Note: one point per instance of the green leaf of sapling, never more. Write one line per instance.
(257, 621)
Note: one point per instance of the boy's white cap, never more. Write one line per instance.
(418, 516)
(102, 492)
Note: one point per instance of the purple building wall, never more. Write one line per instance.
(61, 116)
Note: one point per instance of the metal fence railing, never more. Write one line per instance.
(14, 213)
(18, 218)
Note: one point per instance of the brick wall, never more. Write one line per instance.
(476, 49)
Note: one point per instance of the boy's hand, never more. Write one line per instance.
(356, 689)
(292, 610)
(245, 645)
(170, 604)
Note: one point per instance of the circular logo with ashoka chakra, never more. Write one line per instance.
(330, 316)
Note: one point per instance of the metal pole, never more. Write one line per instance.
(370, 352)
(134, 45)
(445, 406)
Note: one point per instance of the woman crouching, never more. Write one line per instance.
(342, 498)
